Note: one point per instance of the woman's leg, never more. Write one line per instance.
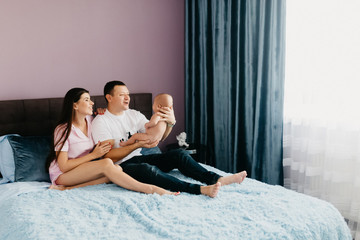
(93, 182)
(91, 172)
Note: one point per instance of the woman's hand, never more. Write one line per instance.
(167, 115)
(111, 141)
(101, 149)
(100, 111)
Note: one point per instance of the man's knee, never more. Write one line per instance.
(141, 171)
(180, 156)
(178, 152)
(147, 169)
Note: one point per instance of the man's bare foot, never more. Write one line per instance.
(211, 190)
(235, 178)
(58, 187)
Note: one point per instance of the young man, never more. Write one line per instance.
(119, 122)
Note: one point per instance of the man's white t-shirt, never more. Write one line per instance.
(120, 128)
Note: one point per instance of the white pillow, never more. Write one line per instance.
(7, 163)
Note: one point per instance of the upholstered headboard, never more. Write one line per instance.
(37, 117)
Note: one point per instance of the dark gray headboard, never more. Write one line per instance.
(37, 117)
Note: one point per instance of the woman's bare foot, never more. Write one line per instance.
(58, 187)
(211, 190)
(235, 178)
(162, 191)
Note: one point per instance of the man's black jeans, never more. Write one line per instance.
(153, 169)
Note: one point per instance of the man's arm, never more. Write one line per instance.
(168, 116)
(117, 154)
(100, 132)
(167, 132)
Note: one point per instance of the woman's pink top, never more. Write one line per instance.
(77, 145)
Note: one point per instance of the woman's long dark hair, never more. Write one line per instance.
(65, 122)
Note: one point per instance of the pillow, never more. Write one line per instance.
(30, 154)
(7, 164)
(148, 151)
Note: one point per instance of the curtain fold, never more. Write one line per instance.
(234, 84)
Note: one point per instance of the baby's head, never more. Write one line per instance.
(162, 100)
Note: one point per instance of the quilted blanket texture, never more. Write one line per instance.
(251, 210)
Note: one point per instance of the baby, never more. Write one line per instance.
(155, 128)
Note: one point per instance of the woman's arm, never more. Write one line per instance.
(66, 164)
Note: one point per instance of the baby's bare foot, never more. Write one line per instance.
(235, 178)
(58, 187)
(211, 190)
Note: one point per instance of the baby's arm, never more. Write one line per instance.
(155, 118)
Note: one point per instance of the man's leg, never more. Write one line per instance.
(181, 160)
(151, 174)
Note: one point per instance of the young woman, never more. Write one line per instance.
(71, 163)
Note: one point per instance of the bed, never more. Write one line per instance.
(29, 210)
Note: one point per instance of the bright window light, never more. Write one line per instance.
(322, 77)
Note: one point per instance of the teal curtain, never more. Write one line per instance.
(234, 83)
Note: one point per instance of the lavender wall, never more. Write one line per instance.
(49, 46)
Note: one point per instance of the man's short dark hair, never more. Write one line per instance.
(109, 87)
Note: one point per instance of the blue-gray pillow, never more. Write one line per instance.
(30, 154)
(148, 151)
(7, 165)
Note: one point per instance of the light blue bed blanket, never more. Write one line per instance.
(251, 210)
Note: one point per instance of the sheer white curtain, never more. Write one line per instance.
(322, 103)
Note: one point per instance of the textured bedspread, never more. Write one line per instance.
(251, 210)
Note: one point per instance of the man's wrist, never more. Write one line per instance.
(171, 124)
(136, 145)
